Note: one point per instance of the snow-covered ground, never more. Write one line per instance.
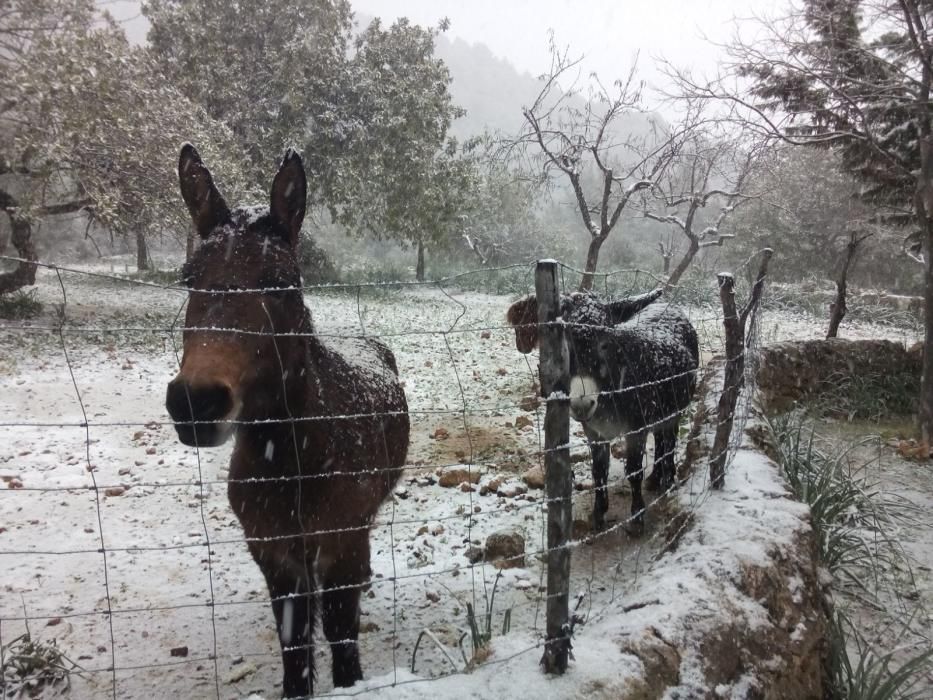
(156, 541)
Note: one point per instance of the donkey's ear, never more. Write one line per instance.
(289, 194)
(206, 205)
(623, 310)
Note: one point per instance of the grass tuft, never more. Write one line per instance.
(852, 518)
(31, 667)
(20, 305)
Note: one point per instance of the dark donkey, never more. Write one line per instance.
(584, 307)
(630, 379)
(321, 427)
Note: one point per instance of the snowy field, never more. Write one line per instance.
(156, 541)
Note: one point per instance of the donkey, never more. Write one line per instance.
(523, 314)
(321, 426)
(630, 379)
(585, 307)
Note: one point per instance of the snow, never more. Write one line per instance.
(171, 538)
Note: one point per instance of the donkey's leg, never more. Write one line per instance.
(293, 606)
(634, 470)
(599, 450)
(653, 480)
(343, 569)
(665, 440)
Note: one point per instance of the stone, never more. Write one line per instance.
(507, 546)
(534, 477)
(491, 486)
(511, 489)
(529, 403)
(454, 476)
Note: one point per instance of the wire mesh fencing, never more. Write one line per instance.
(125, 566)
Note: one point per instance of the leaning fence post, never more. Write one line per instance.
(555, 388)
(734, 322)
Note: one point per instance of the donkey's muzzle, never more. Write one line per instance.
(200, 412)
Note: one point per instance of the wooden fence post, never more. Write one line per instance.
(734, 322)
(555, 388)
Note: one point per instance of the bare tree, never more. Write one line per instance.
(838, 309)
(712, 169)
(591, 146)
(855, 76)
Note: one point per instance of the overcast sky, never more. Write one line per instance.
(607, 32)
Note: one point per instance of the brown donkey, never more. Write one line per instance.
(321, 426)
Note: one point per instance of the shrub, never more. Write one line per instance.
(316, 265)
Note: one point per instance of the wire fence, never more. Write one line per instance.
(125, 565)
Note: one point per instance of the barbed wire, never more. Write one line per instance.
(468, 409)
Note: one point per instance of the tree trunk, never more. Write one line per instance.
(24, 274)
(926, 380)
(684, 263)
(592, 259)
(143, 262)
(923, 205)
(837, 310)
(667, 263)
(419, 270)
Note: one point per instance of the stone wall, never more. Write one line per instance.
(796, 371)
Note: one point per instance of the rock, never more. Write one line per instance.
(511, 489)
(485, 335)
(529, 403)
(523, 422)
(466, 487)
(618, 450)
(115, 491)
(507, 546)
(491, 486)
(454, 476)
(577, 457)
(179, 651)
(440, 434)
(433, 596)
(502, 371)
(240, 672)
(474, 554)
(534, 477)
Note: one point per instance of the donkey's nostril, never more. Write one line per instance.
(198, 402)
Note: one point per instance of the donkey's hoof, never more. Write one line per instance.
(599, 522)
(347, 670)
(635, 527)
